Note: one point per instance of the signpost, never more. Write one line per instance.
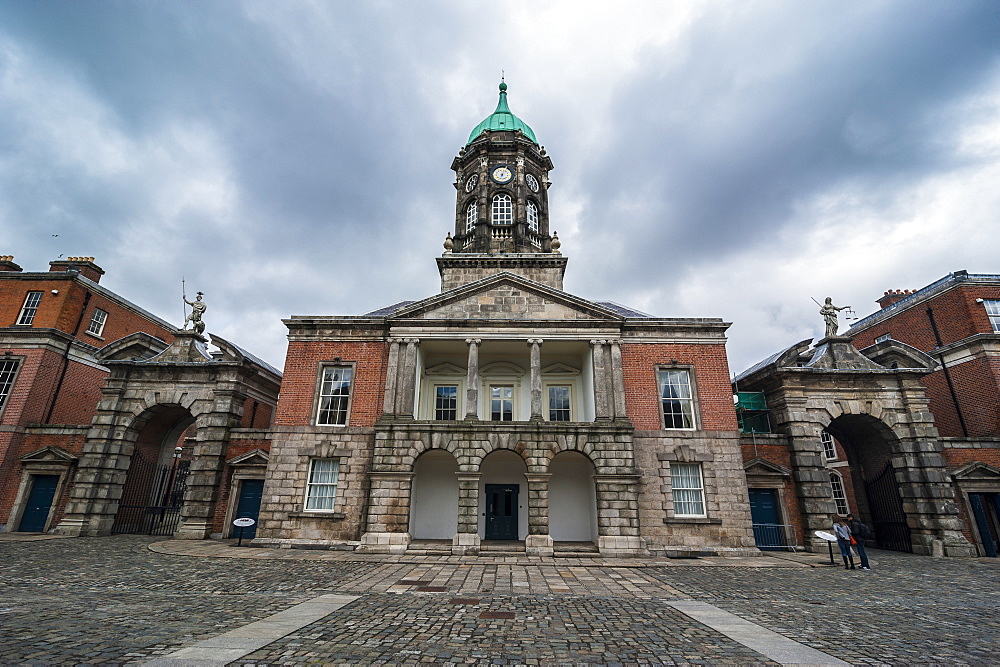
(246, 522)
(830, 539)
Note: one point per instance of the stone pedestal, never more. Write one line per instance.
(539, 545)
(616, 546)
(465, 544)
(384, 543)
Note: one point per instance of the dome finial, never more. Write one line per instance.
(503, 84)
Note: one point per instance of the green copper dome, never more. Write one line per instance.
(502, 119)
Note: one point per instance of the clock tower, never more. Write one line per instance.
(502, 205)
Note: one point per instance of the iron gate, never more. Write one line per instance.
(152, 498)
(886, 507)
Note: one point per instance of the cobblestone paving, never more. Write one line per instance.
(907, 610)
(112, 600)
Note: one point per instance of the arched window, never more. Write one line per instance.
(839, 497)
(532, 216)
(503, 210)
(471, 216)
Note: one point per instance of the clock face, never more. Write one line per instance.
(532, 182)
(501, 174)
(471, 183)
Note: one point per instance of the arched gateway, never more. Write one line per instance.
(134, 474)
(884, 444)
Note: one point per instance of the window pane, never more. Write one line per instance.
(993, 310)
(687, 489)
(559, 401)
(97, 322)
(503, 212)
(471, 216)
(8, 369)
(502, 403)
(839, 497)
(532, 216)
(675, 396)
(30, 307)
(335, 393)
(321, 490)
(829, 449)
(446, 403)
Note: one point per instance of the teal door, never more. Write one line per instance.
(248, 506)
(985, 510)
(501, 511)
(36, 511)
(768, 533)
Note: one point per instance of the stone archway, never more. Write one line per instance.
(148, 400)
(572, 498)
(434, 496)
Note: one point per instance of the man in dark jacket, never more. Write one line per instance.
(860, 532)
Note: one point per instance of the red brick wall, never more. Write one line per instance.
(302, 367)
(79, 394)
(256, 418)
(710, 375)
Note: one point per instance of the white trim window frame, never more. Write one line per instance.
(30, 308)
(471, 217)
(531, 212)
(677, 398)
(8, 375)
(559, 407)
(446, 398)
(501, 401)
(503, 210)
(829, 446)
(687, 486)
(321, 485)
(97, 322)
(839, 494)
(334, 395)
(993, 312)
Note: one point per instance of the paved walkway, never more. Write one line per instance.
(129, 599)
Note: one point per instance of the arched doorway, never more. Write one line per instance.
(153, 492)
(434, 496)
(870, 445)
(503, 497)
(572, 498)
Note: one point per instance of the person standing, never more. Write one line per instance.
(843, 533)
(860, 532)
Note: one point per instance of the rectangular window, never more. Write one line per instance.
(502, 403)
(829, 448)
(839, 497)
(29, 308)
(993, 310)
(446, 402)
(321, 489)
(97, 322)
(559, 404)
(883, 338)
(8, 370)
(688, 490)
(334, 395)
(676, 398)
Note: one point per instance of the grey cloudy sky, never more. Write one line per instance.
(713, 159)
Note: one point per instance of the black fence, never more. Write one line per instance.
(886, 508)
(152, 498)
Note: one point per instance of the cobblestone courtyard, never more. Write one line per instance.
(127, 600)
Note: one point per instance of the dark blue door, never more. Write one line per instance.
(981, 510)
(248, 506)
(36, 512)
(501, 511)
(768, 532)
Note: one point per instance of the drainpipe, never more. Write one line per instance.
(65, 360)
(947, 375)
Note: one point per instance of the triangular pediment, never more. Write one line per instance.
(506, 296)
(894, 354)
(977, 471)
(559, 369)
(255, 457)
(446, 368)
(759, 467)
(134, 347)
(49, 454)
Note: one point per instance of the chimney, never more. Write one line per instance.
(7, 263)
(84, 265)
(892, 296)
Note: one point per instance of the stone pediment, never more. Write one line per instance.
(506, 296)
(49, 454)
(759, 467)
(894, 354)
(134, 347)
(256, 457)
(977, 471)
(187, 347)
(837, 353)
(559, 368)
(445, 368)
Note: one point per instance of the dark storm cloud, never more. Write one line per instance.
(716, 143)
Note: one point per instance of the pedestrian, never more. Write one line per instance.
(860, 532)
(843, 533)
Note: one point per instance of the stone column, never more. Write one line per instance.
(602, 408)
(466, 541)
(812, 484)
(408, 371)
(388, 513)
(618, 379)
(536, 378)
(538, 542)
(472, 380)
(618, 515)
(391, 370)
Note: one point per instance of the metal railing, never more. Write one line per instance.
(775, 536)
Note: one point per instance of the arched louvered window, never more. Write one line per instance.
(532, 216)
(471, 216)
(503, 210)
